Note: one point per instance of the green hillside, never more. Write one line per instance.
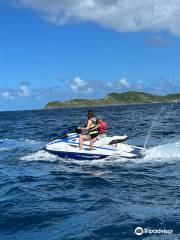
(116, 99)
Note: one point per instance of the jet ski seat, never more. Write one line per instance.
(111, 140)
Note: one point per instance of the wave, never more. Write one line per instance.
(41, 155)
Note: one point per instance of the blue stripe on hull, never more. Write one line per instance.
(137, 152)
(77, 156)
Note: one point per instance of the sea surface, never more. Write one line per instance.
(43, 197)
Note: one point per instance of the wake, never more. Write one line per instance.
(164, 151)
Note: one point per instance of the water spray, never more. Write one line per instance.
(156, 117)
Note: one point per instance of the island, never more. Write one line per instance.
(115, 98)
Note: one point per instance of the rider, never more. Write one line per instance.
(102, 129)
(92, 131)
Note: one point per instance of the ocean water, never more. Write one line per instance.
(47, 198)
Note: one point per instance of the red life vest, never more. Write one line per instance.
(103, 128)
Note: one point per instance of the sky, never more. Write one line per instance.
(55, 50)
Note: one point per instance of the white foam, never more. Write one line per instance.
(31, 141)
(39, 156)
(168, 152)
(103, 162)
(3, 149)
(163, 152)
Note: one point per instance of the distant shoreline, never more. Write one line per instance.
(120, 104)
(116, 99)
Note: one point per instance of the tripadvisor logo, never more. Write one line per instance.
(139, 231)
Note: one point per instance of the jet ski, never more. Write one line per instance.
(67, 146)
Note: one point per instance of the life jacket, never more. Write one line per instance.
(91, 131)
(103, 128)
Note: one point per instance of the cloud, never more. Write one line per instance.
(77, 84)
(14, 94)
(97, 87)
(7, 95)
(121, 15)
(165, 86)
(123, 83)
(109, 84)
(23, 91)
(100, 89)
(80, 86)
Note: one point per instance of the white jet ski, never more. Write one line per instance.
(67, 146)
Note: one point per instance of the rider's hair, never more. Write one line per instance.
(90, 114)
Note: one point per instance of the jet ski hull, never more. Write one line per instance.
(68, 147)
(77, 156)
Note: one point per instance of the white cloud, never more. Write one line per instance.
(23, 91)
(13, 94)
(165, 86)
(121, 15)
(123, 83)
(77, 84)
(7, 95)
(109, 84)
(80, 86)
